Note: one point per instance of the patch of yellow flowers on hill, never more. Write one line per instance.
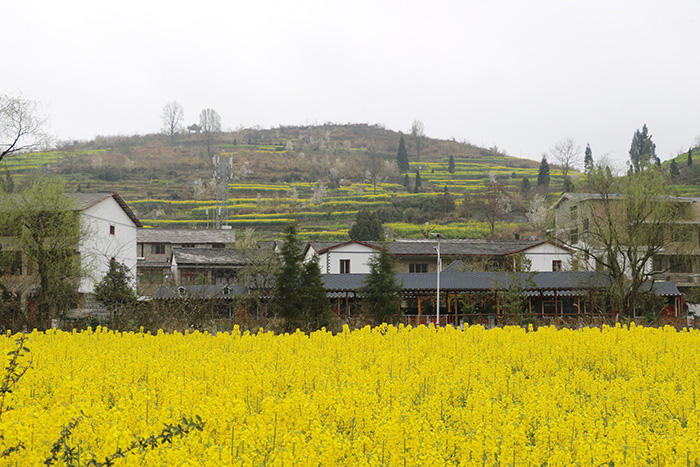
(387, 396)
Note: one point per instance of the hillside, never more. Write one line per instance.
(320, 175)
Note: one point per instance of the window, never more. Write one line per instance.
(152, 276)
(556, 265)
(111, 230)
(573, 213)
(345, 266)
(158, 248)
(188, 245)
(573, 236)
(418, 267)
(217, 245)
(680, 264)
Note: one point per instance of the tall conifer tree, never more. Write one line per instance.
(543, 174)
(402, 156)
(588, 160)
(451, 165)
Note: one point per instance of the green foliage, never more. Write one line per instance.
(690, 157)
(317, 307)
(381, 294)
(298, 293)
(367, 226)
(525, 187)
(674, 171)
(451, 165)
(512, 293)
(543, 177)
(418, 185)
(45, 226)
(642, 150)
(588, 163)
(7, 185)
(114, 290)
(402, 156)
(568, 185)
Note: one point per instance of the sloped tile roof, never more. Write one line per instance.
(478, 281)
(87, 200)
(460, 247)
(185, 236)
(207, 257)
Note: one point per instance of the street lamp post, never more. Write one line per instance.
(439, 267)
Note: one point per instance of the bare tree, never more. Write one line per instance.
(378, 168)
(210, 122)
(172, 117)
(418, 133)
(21, 125)
(492, 203)
(567, 153)
(631, 228)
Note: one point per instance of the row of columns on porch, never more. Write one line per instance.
(455, 299)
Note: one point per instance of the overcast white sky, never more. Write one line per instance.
(521, 75)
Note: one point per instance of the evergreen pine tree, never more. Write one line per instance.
(367, 226)
(381, 294)
(588, 160)
(114, 290)
(642, 150)
(525, 187)
(406, 181)
(543, 174)
(287, 297)
(316, 306)
(690, 157)
(673, 170)
(402, 156)
(419, 185)
(451, 165)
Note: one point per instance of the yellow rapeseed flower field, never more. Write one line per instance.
(387, 396)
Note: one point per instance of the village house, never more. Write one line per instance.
(678, 261)
(420, 256)
(109, 229)
(106, 231)
(156, 249)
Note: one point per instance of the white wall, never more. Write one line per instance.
(99, 246)
(358, 255)
(542, 256)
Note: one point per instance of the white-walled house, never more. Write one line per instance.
(351, 257)
(110, 228)
(420, 256)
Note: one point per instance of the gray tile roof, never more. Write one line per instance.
(466, 247)
(87, 200)
(207, 257)
(455, 281)
(461, 247)
(178, 236)
(663, 288)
